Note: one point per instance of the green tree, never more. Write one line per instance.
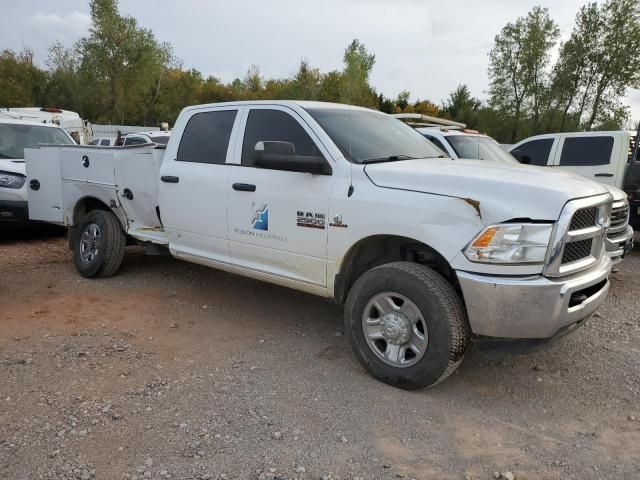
(21, 80)
(518, 67)
(461, 106)
(358, 63)
(402, 100)
(123, 62)
(613, 65)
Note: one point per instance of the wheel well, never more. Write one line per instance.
(380, 249)
(86, 205)
(82, 207)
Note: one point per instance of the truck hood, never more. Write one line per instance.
(12, 165)
(497, 191)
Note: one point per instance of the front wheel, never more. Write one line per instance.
(406, 324)
(99, 244)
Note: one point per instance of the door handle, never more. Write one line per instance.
(603, 175)
(170, 179)
(244, 187)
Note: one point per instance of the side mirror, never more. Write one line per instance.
(282, 156)
(525, 159)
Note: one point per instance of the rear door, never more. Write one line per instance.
(590, 156)
(193, 182)
(278, 219)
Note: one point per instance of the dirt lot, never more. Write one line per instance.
(170, 370)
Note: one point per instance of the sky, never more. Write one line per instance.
(424, 46)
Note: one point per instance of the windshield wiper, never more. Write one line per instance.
(390, 158)
(2, 155)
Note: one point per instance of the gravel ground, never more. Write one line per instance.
(171, 370)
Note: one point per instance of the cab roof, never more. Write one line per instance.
(19, 121)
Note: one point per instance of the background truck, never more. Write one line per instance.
(80, 130)
(15, 136)
(606, 157)
(426, 253)
(457, 141)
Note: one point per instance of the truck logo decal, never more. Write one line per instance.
(310, 219)
(337, 222)
(260, 219)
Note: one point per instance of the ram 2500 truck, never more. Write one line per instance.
(426, 253)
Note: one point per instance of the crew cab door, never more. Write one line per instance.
(278, 218)
(193, 183)
(590, 156)
(537, 151)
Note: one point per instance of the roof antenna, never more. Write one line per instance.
(350, 191)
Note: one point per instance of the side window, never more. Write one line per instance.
(206, 137)
(278, 126)
(437, 143)
(94, 142)
(585, 151)
(537, 151)
(105, 142)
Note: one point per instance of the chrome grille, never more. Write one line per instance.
(578, 241)
(584, 218)
(619, 219)
(575, 251)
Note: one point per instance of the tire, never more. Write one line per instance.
(100, 230)
(440, 317)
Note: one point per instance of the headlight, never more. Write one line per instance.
(10, 180)
(511, 243)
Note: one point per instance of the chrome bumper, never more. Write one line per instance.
(534, 306)
(618, 245)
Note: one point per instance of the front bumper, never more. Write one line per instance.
(13, 211)
(618, 245)
(532, 306)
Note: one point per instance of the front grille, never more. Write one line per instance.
(584, 218)
(579, 240)
(575, 251)
(619, 218)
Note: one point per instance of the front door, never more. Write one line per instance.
(193, 186)
(278, 219)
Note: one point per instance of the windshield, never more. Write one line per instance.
(162, 140)
(14, 138)
(479, 148)
(364, 135)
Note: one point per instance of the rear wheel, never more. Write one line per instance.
(99, 245)
(406, 324)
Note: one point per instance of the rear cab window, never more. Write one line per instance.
(206, 137)
(586, 151)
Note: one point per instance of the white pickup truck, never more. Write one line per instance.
(606, 157)
(426, 253)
